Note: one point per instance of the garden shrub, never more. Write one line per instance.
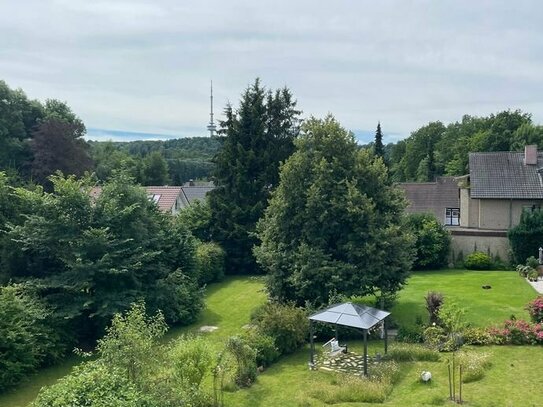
(533, 275)
(27, 339)
(535, 309)
(412, 353)
(245, 361)
(264, 345)
(478, 261)
(435, 337)
(523, 270)
(476, 336)
(474, 365)
(286, 324)
(385, 371)
(432, 240)
(532, 262)
(352, 389)
(210, 260)
(178, 297)
(434, 301)
(190, 361)
(516, 332)
(526, 237)
(93, 384)
(409, 334)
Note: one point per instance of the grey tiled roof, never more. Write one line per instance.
(503, 175)
(432, 197)
(195, 192)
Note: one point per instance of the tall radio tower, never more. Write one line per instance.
(211, 126)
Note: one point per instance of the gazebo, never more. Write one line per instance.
(353, 315)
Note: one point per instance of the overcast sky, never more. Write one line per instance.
(145, 66)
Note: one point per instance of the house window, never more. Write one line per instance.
(154, 197)
(452, 216)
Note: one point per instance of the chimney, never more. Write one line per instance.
(530, 155)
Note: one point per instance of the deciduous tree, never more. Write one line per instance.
(334, 222)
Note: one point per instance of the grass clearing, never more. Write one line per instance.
(510, 381)
(508, 295)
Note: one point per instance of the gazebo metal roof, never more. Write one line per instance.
(349, 314)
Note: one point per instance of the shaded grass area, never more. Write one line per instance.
(228, 305)
(508, 295)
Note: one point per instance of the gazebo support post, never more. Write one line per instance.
(386, 335)
(365, 352)
(337, 339)
(311, 345)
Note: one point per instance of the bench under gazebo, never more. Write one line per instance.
(352, 315)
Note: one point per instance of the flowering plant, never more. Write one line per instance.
(535, 308)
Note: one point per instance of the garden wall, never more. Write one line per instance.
(466, 241)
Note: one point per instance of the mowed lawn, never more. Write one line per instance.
(508, 295)
(512, 380)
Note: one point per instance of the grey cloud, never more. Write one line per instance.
(145, 65)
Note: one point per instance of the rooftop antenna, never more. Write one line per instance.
(211, 126)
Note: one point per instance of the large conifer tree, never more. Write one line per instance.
(378, 147)
(257, 137)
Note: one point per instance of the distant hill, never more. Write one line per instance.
(187, 158)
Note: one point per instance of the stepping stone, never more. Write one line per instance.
(208, 328)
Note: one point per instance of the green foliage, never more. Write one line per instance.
(474, 365)
(191, 361)
(245, 361)
(452, 317)
(178, 297)
(197, 218)
(258, 136)
(333, 223)
(264, 345)
(476, 336)
(526, 237)
(133, 368)
(378, 147)
(210, 259)
(478, 261)
(187, 158)
(27, 337)
(532, 262)
(93, 384)
(352, 389)
(410, 334)
(155, 170)
(18, 116)
(436, 149)
(286, 324)
(407, 352)
(130, 342)
(89, 259)
(432, 241)
(434, 337)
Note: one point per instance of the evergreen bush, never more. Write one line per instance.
(526, 237)
(478, 261)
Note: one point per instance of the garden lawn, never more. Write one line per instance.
(228, 305)
(511, 381)
(508, 295)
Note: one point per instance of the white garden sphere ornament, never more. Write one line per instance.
(426, 376)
